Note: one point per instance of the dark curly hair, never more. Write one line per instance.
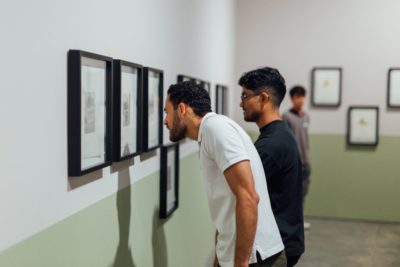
(265, 78)
(297, 91)
(192, 94)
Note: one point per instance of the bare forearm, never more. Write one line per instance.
(246, 225)
(241, 182)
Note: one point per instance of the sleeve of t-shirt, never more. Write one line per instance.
(225, 146)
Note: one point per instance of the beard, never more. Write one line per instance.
(251, 117)
(178, 130)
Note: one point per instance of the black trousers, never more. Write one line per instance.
(277, 260)
(292, 260)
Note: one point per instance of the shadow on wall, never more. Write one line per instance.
(360, 148)
(160, 254)
(123, 256)
(76, 182)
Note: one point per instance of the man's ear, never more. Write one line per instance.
(181, 110)
(265, 97)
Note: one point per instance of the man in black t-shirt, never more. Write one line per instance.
(262, 93)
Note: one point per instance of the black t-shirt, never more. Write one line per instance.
(282, 165)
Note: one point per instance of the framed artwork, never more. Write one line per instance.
(207, 86)
(393, 93)
(326, 87)
(221, 99)
(169, 180)
(153, 84)
(127, 101)
(363, 125)
(184, 78)
(89, 112)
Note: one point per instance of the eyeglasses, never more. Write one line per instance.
(245, 96)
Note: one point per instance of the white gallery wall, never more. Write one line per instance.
(181, 37)
(360, 36)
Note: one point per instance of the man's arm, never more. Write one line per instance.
(240, 181)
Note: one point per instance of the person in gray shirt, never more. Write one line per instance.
(298, 121)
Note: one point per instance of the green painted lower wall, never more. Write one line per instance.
(354, 182)
(351, 182)
(124, 230)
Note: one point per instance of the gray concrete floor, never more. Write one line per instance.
(347, 244)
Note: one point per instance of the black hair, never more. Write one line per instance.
(192, 94)
(265, 78)
(297, 91)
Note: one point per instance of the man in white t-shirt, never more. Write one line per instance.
(247, 234)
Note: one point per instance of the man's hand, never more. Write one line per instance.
(215, 262)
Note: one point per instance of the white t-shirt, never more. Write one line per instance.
(222, 144)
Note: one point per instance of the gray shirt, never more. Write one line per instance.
(299, 126)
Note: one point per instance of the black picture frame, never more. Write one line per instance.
(122, 119)
(149, 122)
(184, 78)
(207, 86)
(221, 93)
(393, 83)
(331, 98)
(85, 72)
(363, 125)
(169, 182)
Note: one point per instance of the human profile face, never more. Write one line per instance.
(250, 104)
(175, 125)
(298, 102)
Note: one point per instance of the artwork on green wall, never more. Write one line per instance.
(363, 125)
(169, 180)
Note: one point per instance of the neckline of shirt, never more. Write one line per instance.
(208, 115)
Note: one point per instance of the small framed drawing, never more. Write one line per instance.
(206, 86)
(169, 180)
(326, 87)
(393, 93)
(221, 92)
(363, 125)
(185, 78)
(153, 84)
(127, 100)
(89, 112)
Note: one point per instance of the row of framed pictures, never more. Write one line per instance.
(114, 110)
(221, 92)
(326, 87)
(115, 113)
